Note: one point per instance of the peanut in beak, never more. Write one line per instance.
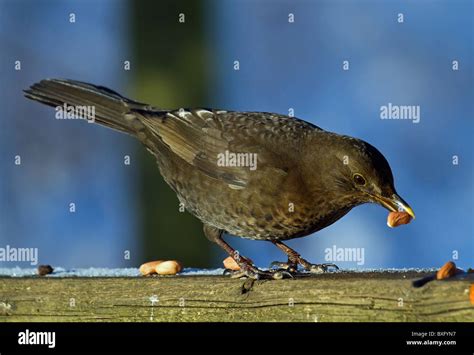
(396, 219)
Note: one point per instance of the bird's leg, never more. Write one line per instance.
(246, 267)
(295, 259)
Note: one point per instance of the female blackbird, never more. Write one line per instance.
(256, 175)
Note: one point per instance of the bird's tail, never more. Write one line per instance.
(108, 107)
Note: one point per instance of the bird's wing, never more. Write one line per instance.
(201, 136)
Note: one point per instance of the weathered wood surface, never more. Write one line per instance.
(321, 298)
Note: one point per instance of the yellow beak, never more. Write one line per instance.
(395, 204)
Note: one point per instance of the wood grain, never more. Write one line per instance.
(322, 298)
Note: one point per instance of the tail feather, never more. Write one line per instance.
(110, 107)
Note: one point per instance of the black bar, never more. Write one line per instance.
(242, 337)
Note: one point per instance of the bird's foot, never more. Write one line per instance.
(247, 269)
(320, 268)
(280, 265)
(292, 266)
(259, 275)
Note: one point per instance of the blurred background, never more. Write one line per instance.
(290, 57)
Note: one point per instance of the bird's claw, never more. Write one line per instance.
(292, 268)
(258, 274)
(289, 267)
(320, 268)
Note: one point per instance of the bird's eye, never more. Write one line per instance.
(359, 179)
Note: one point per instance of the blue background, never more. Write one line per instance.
(282, 65)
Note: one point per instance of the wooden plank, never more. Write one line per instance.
(380, 296)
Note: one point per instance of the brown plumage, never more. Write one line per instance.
(303, 178)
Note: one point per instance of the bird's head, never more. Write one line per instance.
(364, 173)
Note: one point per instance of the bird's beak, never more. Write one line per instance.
(394, 204)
